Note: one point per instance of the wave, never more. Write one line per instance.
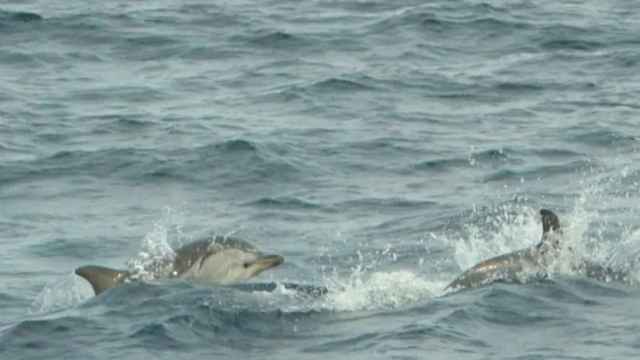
(337, 85)
(448, 21)
(226, 159)
(379, 204)
(17, 58)
(66, 248)
(121, 123)
(101, 163)
(100, 31)
(147, 47)
(545, 171)
(484, 158)
(158, 336)
(277, 40)
(557, 153)
(519, 87)
(571, 44)
(290, 203)
(441, 164)
(206, 15)
(138, 94)
(330, 86)
(602, 137)
(9, 17)
(237, 146)
(384, 143)
(44, 336)
(394, 307)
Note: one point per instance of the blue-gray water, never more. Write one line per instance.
(382, 147)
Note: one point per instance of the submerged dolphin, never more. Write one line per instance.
(534, 260)
(219, 260)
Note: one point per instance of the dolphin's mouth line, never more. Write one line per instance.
(268, 261)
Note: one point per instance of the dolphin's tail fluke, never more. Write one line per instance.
(102, 278)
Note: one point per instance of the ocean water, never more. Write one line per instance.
(381, 147)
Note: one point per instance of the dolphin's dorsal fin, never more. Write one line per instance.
(550, 222)
(102, 278)
(550, 225)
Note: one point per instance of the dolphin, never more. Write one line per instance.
(219, 260)
(512, 266)
(515, 266)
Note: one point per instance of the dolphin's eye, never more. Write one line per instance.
(246, 265)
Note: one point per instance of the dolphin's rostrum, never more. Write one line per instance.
(219, 260)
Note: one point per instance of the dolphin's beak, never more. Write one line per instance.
(266, 262)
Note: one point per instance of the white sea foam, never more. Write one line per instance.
(156, 250)
(512, 228)
(378, 290)
(62, 293)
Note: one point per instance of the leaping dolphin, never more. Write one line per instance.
(219, 260)
(517, 265)
(512, 266)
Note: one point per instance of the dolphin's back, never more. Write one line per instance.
(226, 242)
(507, 267)
(188, 255)
(102, 278)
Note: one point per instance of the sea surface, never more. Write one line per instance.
(382, 147)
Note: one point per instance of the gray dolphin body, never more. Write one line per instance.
(519, 265)
(219, 260)
(513, 266)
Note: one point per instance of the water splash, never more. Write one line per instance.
(603, 221)
(378, 290)
(507, 228)
(156, 251)
(588, 233)
(60, 294)
(587, 236)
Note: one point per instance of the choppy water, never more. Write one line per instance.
(381, 147)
